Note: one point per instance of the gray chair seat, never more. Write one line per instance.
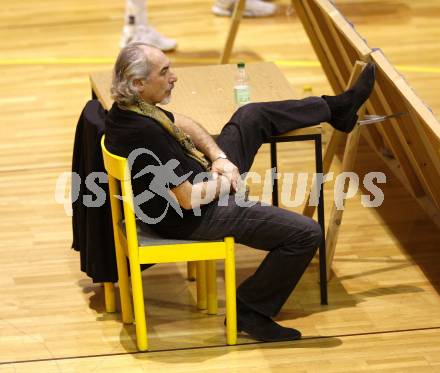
(148, 237)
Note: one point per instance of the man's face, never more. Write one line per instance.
(160, 82)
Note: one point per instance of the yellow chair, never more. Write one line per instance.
(144, 248)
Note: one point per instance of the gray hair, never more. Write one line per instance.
(132, 63)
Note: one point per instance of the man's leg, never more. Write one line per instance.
(254, 123)
(291, 241)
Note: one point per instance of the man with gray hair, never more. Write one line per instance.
(142, 79)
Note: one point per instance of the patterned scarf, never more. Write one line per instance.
(168, 125)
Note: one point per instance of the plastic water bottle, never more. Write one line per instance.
(242, 89)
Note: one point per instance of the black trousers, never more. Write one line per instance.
(290, 239)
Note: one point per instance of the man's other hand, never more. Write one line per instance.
(226, 168)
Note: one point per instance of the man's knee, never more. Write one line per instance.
(308, 240)
(253, 110)
(315, 234)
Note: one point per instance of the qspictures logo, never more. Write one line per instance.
(293, 191)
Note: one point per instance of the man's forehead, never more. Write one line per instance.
(157, 57)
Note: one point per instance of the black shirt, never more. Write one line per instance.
(131, 135)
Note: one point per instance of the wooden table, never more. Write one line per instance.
(205, 93)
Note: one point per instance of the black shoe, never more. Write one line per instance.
(344, 107)
(261, 327)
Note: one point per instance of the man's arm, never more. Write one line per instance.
(206, 144)
(199, 136)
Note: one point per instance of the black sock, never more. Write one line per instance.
(344, 107)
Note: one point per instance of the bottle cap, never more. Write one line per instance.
(240, 64)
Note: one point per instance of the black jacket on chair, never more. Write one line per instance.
(92, 226)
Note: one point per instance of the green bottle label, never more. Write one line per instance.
(242, 95)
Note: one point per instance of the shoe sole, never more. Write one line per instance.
(222, 12)
(270, 340)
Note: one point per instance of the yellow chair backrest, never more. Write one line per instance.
(115, 165)
(119, 180)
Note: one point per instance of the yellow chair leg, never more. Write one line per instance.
(121, 261)
(124, 290)
(231, 302)
(201, 285)
(211, 281)
(109, 296)
(139, 309)
(191, 268)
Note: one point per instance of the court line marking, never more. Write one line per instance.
(110, 61)
(55, 359)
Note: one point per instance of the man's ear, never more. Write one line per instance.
(139, 84)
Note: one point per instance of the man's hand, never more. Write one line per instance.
(226, 168)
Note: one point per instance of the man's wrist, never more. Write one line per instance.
(220, 155)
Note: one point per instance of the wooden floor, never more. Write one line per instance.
(384, 311)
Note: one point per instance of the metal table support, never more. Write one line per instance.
(319, 171)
